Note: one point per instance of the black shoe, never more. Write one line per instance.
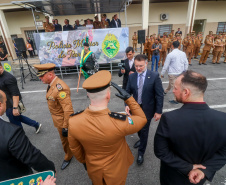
(164, 93)
(213, 63)
(218, 63)
(200, 64)
(173, 102)
(204, 64)
(65, 164)
(137, 144)
(190, 64)
(140, 159)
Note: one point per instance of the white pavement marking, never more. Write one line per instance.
(211, 106)
(27, 92)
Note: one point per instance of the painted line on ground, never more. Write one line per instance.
(27, 92)
(168, 110)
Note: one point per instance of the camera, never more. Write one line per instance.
(122, 65)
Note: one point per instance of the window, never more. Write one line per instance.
(221, 27)
(165, 28)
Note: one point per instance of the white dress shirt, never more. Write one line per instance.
(131, 63)
(176, 63)
(116, 23)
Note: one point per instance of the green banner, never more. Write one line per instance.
(33, 179)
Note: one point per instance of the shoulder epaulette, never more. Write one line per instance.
(117, 116)
(76, 113)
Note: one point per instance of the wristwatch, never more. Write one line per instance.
(15, 107)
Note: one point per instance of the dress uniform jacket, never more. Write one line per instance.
(49, 27)
(104, 24)
(193, 134)
(98, 140)
(135, 38)
(208, 43)
(18, 155)
(218, 50)
(59, 102)
(96, 25)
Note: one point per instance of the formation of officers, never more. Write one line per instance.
(191, 45)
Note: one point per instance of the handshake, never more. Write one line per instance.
(196, 175)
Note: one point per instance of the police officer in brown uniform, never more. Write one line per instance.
(147, 48)
(164, 41)
(185, 43)
(206, 50)
(96, 23)
(198, 43)
(218, 49)
(135, 38)
(189, 49)
(171, 35)
(97, 135)
(59, 103)
(49, 27)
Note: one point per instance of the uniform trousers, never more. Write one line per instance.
(204, 56)
(18, 119)
(217, 56)
(148, 53)
(196, 51)
(65, 144)
(189, 55)
(162, 58)
(135, 46)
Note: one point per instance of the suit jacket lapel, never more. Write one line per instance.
(147, 78)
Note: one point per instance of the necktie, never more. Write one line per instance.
(140, 89)
(48, 88)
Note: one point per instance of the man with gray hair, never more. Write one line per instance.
(190, 141)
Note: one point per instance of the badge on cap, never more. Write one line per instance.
(130, 121)
(59, 87)
(63, 95)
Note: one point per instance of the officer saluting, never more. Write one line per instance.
(59, 103)
(97, 135)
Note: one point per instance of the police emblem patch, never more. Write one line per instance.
(63, 95)
(59, 87)
(130, 121)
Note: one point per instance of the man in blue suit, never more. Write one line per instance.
(146, 87)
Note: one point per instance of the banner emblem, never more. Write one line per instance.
(110, 45)
(7, 67)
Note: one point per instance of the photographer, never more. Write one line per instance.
(8, 84)
(127, 66)
(156, 49)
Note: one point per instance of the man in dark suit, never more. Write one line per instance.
(57, 26)
(146, 88)
(18, 155)
(67, 26)
(191, 135)
(116, 22)
(127, 66)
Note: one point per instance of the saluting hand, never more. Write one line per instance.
(122, 93)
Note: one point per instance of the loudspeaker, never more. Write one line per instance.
(141, 36)
(20, 44)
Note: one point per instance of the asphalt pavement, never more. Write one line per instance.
(48, 140)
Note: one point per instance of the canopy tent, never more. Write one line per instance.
(75, 7)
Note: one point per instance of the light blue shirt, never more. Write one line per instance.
(142, 76)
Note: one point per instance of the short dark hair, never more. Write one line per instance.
(86, 44)
(0, 64)
(195, 79)
(128, 49)
(140, 57)
(176, 44)
(67, 20)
